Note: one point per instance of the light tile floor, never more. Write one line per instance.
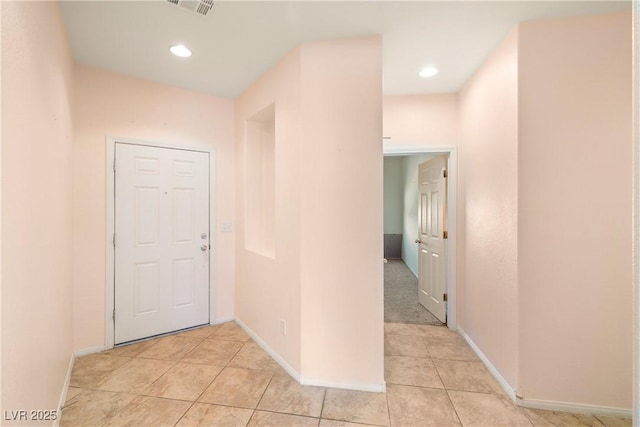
(218, 376)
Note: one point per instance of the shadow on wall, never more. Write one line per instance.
(393, 246)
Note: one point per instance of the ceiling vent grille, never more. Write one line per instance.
(201, 7)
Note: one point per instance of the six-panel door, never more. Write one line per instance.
(432, 249)
(161, 240)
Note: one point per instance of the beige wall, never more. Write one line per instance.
(326, 121)
(575, 210)
(488, 301)
(268, 288)
(636, 214)
(1, 400)
(411, 120)
(37, 324)
(341, 229)
(112, 104)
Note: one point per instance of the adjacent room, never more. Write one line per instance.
(317, 213)
(406, 215)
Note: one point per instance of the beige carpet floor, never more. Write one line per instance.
(401, 296)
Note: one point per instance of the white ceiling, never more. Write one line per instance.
(238, 41)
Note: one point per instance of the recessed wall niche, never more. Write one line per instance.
(259, 206)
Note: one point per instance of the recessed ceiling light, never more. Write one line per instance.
(427, 72)
(180, 50)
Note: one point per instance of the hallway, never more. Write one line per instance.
(217, 375)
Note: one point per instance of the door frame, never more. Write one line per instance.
(452, 211)
(110, 226)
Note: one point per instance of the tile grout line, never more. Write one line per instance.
(199, 396)
(343, 420)
(212, 380)
(446, 391)
(264, 391)
(388, 407)
(600, 421)
(245, 343)
(271, 411)
(253, 414)
(529, 418)
(324, 398)
(455, 410)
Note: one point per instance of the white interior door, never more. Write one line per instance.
(161, 240)
(432, 285)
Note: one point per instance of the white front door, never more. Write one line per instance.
(161, 240)
(432, 285)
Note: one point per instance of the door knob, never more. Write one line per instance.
(418, 241)
(203, 248)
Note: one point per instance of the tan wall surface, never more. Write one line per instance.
(37, 323)
(268, 288)
(341, 210)
(431, 119)
(575, 210)
(489, 178)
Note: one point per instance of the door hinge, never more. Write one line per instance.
(445, 234)
(114, 314)
(114, 165)
(445, 173)
(114, 240)
(444, 298)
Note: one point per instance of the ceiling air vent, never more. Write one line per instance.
(201, 7)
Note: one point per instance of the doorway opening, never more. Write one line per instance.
(419, 236)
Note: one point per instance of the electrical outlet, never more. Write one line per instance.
(283, 327)
(226, 227)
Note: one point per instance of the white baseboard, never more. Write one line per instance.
(492, 369)
(375, 388)
(574, 407)
(379, 388)
(548, 405)
(90, 350)
(269, 350)
(65, 388)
